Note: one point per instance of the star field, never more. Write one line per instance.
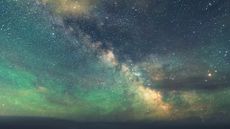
(115, 60)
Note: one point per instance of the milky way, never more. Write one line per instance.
(115, 60)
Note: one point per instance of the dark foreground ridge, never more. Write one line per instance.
(49, 123)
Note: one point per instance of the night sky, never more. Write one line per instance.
(115, 60)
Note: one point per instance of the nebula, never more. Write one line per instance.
(115, 60)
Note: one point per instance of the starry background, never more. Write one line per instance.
(115, 60)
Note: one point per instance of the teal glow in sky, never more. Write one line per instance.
(97, 61)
